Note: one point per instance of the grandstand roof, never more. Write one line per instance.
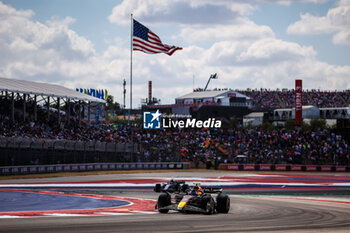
(304, 107)
(45, 89)
(254, 115)
(208, 94)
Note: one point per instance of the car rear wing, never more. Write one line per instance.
(212, 190)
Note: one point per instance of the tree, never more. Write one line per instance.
(289, 124)
(267, 125)
(111, 105)
(316, 124)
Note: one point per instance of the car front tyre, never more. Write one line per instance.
(164, 199)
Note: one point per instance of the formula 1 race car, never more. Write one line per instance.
(193, 200)
(172, 187)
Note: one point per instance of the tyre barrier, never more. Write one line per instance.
(284, 167)
(36, 169)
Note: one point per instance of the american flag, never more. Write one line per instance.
(146, 41)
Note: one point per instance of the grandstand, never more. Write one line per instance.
(272, 99)
(330, 105)
(19, 96)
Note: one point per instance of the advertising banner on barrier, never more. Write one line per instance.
(32, 170)
(265, 167)
(280, 167)
(249, 167)
(326, 168)
(298, 102)
(311, 168)
(24, 170)
(5, 171)
(340, 168)
(295, 167)
(234, 167)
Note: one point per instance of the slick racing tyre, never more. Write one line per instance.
(223, 203)
(164, 199)
(158, 188)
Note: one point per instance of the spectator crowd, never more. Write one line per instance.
(275, 146)
(272, 99)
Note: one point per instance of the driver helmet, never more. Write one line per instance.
(197, 190)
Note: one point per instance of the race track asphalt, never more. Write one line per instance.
(250, 212)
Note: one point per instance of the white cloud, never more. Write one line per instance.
(179, 11)
(342, 37)
(288, 2)
(54, 53)
(310, 24)
(188, 12)
(270, 51)
(245, 30)
(336, 21)
(38, 44)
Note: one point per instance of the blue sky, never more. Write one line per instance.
(250, 44)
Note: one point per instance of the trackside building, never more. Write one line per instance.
(217, 103)
(221, 97)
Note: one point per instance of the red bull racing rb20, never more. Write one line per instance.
(179, 196)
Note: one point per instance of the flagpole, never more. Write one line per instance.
(131, 34)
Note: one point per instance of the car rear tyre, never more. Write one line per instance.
(164, 199)
(223, 203)
(158, 188)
